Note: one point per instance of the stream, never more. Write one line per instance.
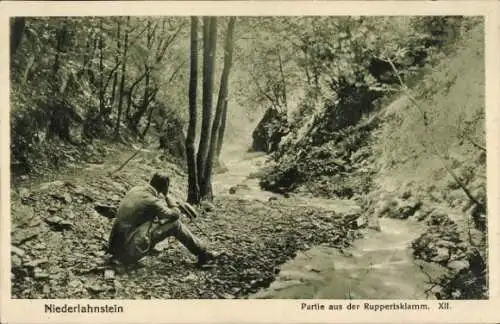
(380, 265)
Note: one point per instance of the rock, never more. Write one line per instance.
(58, 224)
(94, 288)
(20, 237)
(437, 291)
(190, 277)
(441, 255)
(40, 274)
(109, 274)
(446, 244)
(17, 251)
(119, 187)
(312, 269)
(47, 185)
(46, 289)
(407, 208)
(273, 198)
(162, 246)
(75, 283)
(36, 263)
(16, 261)
(67, 198)
(64, 197)
(24, 193)
(406, 194)
(458, 265)
(108, 211)
(361, 222)
(232, 190)
(207, 206)
(83, 192)
(268, 133)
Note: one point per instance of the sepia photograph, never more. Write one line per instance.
(248, 157)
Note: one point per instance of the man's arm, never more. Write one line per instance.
(172, 203)
(160, 210)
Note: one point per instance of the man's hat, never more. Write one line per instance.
(160, 182)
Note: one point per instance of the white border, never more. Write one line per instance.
(255, 311)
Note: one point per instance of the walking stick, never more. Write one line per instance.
(191, 213)
(198, 226)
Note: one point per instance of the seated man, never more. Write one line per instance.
(143, 220)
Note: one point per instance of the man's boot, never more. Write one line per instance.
(207, 256)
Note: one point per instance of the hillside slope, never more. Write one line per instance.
(421, 156)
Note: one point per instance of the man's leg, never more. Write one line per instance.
(182, 233)
(137, 245)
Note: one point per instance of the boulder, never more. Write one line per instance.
(441, 255)
(271, 129)
(458, 265)
(446, 244)
(109, 274)
(407, 208)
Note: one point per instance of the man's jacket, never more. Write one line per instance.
(141, 204)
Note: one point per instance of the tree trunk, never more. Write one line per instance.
(142, 108)
(148, 124)
(16, 34)
(221, 102)
(284, 96)
(209, 48)
(222, 130)
(59, 47)
(130, 94)
(101, 68)
(122, 81)
(193, 194)
(117, 59)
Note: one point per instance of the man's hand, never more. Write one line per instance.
(171, 202)
(188, 210)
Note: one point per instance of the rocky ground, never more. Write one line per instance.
(58, 238)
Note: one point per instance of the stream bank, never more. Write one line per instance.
(376, 266)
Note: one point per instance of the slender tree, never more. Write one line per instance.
(221, 104)
(193, 195)
(222, 130)
(101, 67)
(209, 49)
(117, 60)
(122, 80)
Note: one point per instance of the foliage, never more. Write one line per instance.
(65, 79)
